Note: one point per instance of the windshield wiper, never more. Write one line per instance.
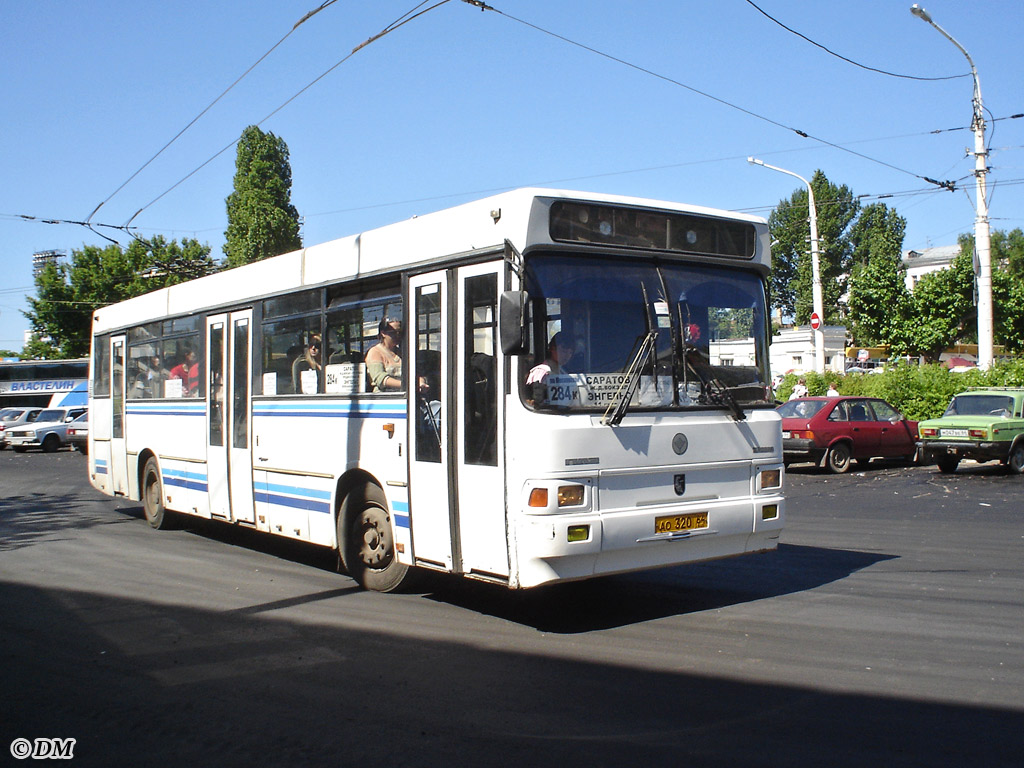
(617, 409)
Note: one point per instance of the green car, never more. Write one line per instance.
(981, 424)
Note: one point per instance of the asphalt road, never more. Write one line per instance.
(887, 630)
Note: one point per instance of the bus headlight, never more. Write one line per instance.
(570, 495)
(770, 479)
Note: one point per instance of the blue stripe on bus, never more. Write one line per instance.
(181, 482)
(295, 491)
(167, 410)
(401, 510)
(350, 410)
(289, 501)
(193, 481)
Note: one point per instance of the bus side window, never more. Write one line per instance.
(292, 356)
(481, 401)
(101, 367)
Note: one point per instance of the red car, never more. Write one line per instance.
(834, 430)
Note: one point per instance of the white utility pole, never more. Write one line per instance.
(816, 297)
(982, 238)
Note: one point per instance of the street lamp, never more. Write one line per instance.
(982, 237)
(816, 299)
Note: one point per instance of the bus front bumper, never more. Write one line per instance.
(572, 547)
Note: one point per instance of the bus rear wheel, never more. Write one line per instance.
(370, 544)
(153, 497)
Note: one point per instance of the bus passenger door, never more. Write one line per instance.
(229, 416)
(479, 408)
(216, 407)
(429, 416)
(119, 483)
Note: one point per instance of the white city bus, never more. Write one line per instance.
(650, 441)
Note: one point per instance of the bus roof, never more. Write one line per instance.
(479, 225)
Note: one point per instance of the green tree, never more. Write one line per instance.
(942, 309)
(879, 302)
(1007, 256)
(791, 263)
(67, 294)
(262, 221)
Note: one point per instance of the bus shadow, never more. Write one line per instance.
(615, 601)
(295, 551)
(586, 606)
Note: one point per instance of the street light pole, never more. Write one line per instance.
(816, 297)
(982, 234)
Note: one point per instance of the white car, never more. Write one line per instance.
(12, 417)
(77, 435)
(48, 431)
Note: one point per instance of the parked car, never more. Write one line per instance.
(48, 431)
(78, 434)
(12, 417)
(980, 424)
(832, 431)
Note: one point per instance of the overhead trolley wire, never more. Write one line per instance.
(208, 107)
(949, 185)
(844, 58)
(401, 21)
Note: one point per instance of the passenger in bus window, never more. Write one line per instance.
(187, 372)
(560, 352)
(383, 363)
(152, 378)
(308, 361)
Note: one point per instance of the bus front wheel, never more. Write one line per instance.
(153, 497)
(369, 545)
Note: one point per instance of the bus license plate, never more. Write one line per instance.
(675, 523)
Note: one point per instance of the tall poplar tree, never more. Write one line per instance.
(879, 301)
(262, 221)
(791, 260)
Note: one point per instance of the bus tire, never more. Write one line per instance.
(838, 458)
(369, 544)
(153, 497)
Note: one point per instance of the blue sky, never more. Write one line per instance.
(460, 103)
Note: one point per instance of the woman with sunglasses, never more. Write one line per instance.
(309, 361)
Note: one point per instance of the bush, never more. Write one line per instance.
(918, 391)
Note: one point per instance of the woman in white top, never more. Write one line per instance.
(383, 363)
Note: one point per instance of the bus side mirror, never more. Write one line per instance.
(511, 328)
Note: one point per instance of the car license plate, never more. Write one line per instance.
(953, 432)
(675, 523)
(785, 435)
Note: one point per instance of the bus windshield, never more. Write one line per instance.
(650, 334)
